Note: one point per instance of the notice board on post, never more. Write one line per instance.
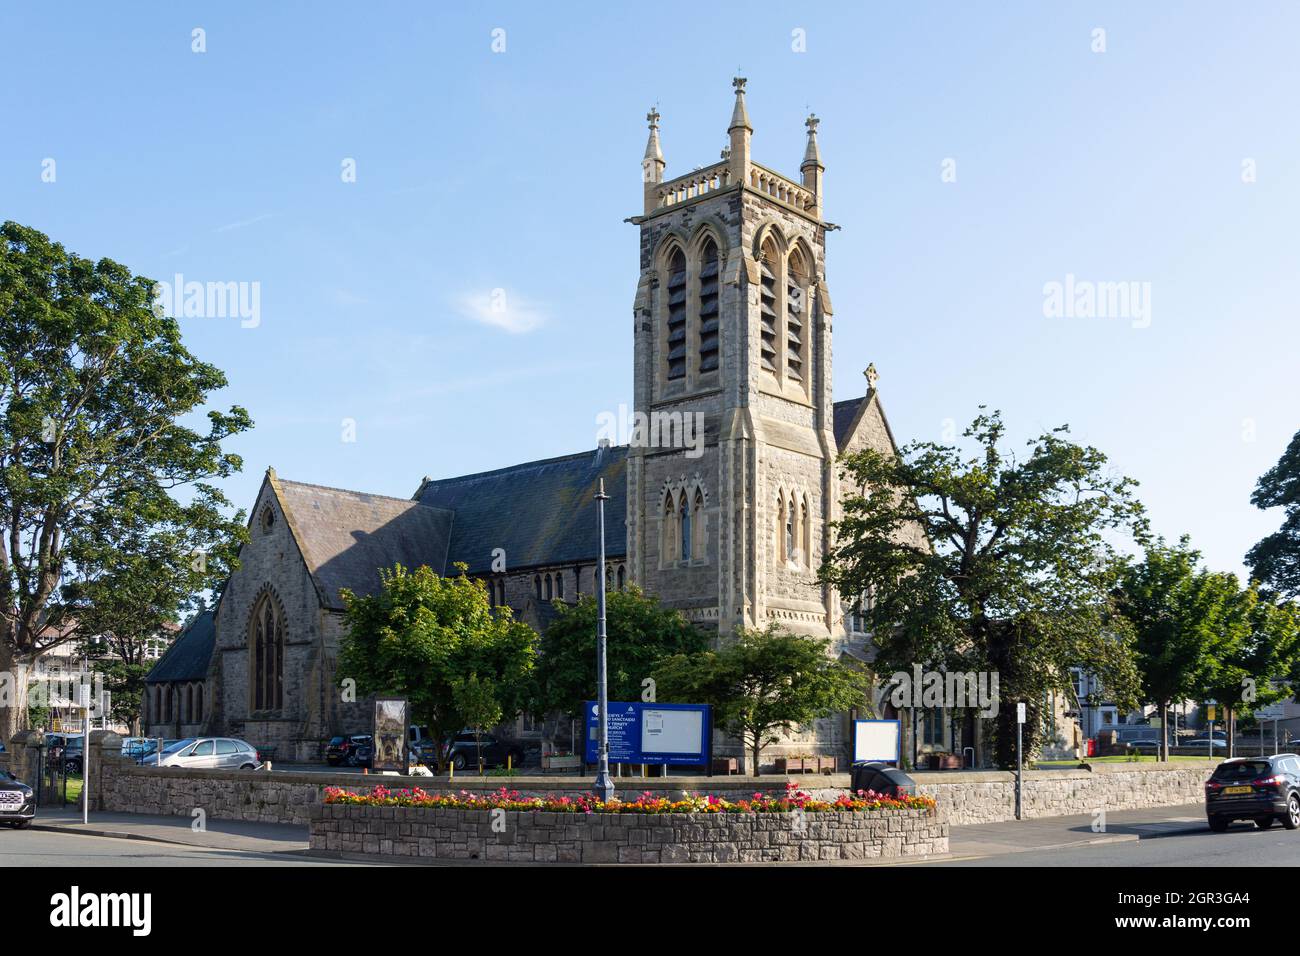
(876, 741)
(651, 733)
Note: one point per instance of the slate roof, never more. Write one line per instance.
(347, 536)
(540, 512)
(842, 416)
(188, 657)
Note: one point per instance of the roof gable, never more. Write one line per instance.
(346, 537)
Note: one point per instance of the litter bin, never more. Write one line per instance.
(883, 779)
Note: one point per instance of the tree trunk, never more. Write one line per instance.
(15, 674)
(757, 748)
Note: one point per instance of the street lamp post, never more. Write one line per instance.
(604, 783)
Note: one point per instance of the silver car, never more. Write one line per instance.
(206, 753)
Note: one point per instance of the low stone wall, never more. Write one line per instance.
(287, 797)
(546, 837)
(990, 796)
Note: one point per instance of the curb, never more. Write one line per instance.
(78, 830)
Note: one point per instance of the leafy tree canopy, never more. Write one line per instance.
(763, 684)
(640, 632)
(993, 562)
(106, 455)
(1275, 561)
(423, 635)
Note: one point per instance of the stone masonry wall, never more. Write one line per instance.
(542, 837)
(990, 796)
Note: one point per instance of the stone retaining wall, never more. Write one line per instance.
(288, 797)
(545, 837)
(990, 796)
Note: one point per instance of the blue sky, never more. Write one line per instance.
(480, 170)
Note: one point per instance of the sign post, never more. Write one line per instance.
(83, 691)
(604, 785)
(1020, 724)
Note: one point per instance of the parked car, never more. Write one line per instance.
(883, 779)
(1203, 742)
(463, 751)
(137, 747)
(364, 756)
(17, 802)
(425, 750)
(65, 750)
(1262, 789)
(202, 753)
(343, 750)
(152, 748)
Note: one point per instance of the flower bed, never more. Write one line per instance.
(505, 799)
(506, 826)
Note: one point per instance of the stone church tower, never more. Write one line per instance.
(733, 333)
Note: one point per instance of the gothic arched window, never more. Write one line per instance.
(805, 532)
(622, 577)
(707, 335)
(559, 585)
(796, 312)
(789, 531)
(768, 268)
(668, 531)
(697, 525)
(266, 642)
(676, 291)
(684, 519)
(549, 588)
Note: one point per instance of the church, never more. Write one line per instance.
(731, 324)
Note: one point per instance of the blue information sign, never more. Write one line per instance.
(651, 733)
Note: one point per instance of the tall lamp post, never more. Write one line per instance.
(604, 783)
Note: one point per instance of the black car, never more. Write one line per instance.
(343, 750)
(883, 779)
(1262, 789)
(463, 751)
(17, 802)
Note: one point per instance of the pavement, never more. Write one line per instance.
(978, 840)
(234, 835)
(969, 842)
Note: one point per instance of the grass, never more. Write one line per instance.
(1141, 758)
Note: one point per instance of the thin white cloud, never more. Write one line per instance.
(243, 222)
(501, 310)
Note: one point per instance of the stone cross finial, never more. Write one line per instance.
(872, 375)
(653, 118)
(739, 83)
(811, 122)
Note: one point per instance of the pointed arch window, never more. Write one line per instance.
(805, 533)
(697, 525)
(266, 637)
(684, 518)
(789, 531)
(768, 268)
(708, 307)
(622, 577)
(676, 315)
(796, 312)
(668, 533)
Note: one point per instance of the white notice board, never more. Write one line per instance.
(876, 740)
(671, 731)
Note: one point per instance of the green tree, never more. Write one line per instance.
(763, 684)
(640, 632)
(1275, 561)
(993, 563)
(95, 464)
(1255, 651)
(477, 701)
(422, 633)
(1180, 615)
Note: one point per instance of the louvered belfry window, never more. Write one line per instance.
(677, 316)
(767, 306)
(709, 307)
(796, 309)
